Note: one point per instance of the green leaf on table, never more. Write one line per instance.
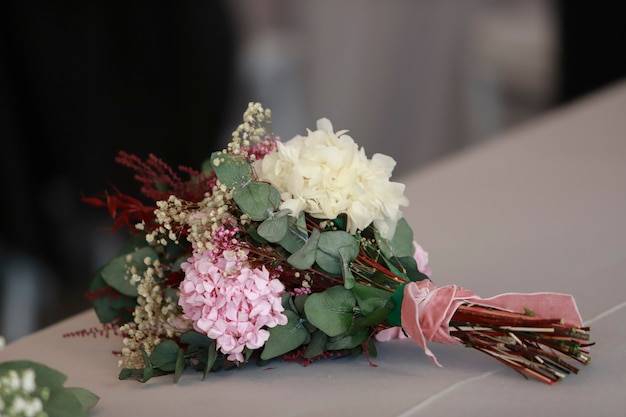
(328, 257)
(304, 258)
(165, 355)
(331, 310)
(257, 200)
(117, 272)
(44, 375)
(274, 228)
(232, 171)
(285, 338)
(180, 365)
(211, 358)
(63, 403)
(347, 341)
(194, 338)
(86, 398)
(317, 345)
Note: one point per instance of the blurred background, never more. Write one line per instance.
(417, 80)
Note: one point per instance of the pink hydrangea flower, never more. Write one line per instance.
(230, 302)
(421, 258)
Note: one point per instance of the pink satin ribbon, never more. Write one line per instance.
(427, 310)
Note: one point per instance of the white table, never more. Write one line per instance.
(542, 208)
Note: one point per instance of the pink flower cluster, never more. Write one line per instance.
(230, 302)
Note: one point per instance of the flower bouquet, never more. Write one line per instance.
(297, 251)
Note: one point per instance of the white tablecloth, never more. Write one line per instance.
(542, 208)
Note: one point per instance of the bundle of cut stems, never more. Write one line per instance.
(545, 349)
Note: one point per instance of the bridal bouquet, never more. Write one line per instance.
(297, 250)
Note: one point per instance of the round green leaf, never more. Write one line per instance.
(347, 341)
(117, 272)
(165, 355)
(111, 307)
(331, 311)
(317, 345)
(328, 256)
(274, 228)
(232, 171)
(63, 403)
(257, 199)
(285, 338)
(304, 258)
(86, 398)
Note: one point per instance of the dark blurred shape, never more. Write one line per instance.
(593, 46)
(81, 81)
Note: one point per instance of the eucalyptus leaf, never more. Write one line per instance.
(370, 298)
(304, 258)
(317, 345)
(331, 310)
(126, 373)
(401, 244)
(192, 337)
(396, 267)
(348, 341)
(374, 318)
(328, 257)
(285, 338)
(117, 272)
(346, 256)
(148, 372)
(111, 307)
(233, 171)
(274, 228)
(299, 301)
(63, 403)
(257, 199)
(180, 365)
(164, 356)
(296, 235)
(86, 398)
(211, 358)
(410, 266)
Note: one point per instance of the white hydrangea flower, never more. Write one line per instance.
(326, 174)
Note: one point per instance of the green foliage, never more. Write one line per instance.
(110, 307)
(117, 272)
(285, 338)
(304, 258)
(328, 255)
(232, 171)
(57, 400)
(275, 227)
(257, 199)
(331, 310)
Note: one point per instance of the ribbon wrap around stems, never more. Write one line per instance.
(427, 310)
